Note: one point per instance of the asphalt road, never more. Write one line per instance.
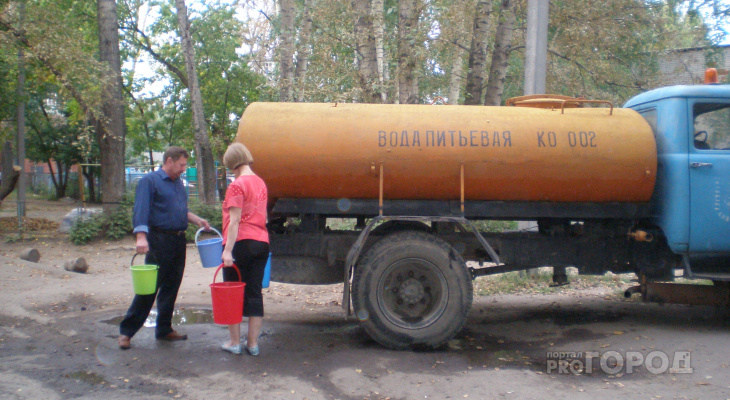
(58, 341)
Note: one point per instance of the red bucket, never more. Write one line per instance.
(227, 300)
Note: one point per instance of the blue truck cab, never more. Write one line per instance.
(691, 200)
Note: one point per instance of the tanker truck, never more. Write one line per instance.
(641, 189)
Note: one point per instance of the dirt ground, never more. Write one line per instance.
(58, 340)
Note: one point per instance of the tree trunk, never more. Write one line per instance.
(379, 33)
(478, 53)
(303, 50)
(61, 183)
(407, 45)
(89, 175)
(366, 62)
(9, 181)
(204, 153)
(7, 164)
(500, 54)
(111, 128)
(456, 75)
(53, 177)
(286, 50)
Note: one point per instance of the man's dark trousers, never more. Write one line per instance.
(167, 251)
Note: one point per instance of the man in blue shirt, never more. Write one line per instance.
(160, 219)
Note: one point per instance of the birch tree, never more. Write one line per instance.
(303, 50)
(456, 25)
(204, 154)
(408, 46)
(379, 36)
(365, 50)
(500, 54)
(478, 53)
(286, 49)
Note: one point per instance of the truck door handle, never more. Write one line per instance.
(700, 164)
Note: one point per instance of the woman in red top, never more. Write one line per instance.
(246, 242)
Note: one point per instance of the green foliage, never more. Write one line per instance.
(341, 224)
(119, 223)
(86, 230)
(211, 212)
(54, 135)
(227, 84)
(495, 226)
(114, 226)
(59, 40)
(8, 107)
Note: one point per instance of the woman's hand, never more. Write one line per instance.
(227, 258)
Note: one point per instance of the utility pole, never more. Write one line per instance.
(535, 61)
(20, 96)
(535, 67)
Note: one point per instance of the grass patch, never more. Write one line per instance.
(341, 224)
(541, 279)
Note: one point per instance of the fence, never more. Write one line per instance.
(42, 183)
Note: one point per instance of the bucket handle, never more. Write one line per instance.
(202, 229)
(223, 265)
(131, 263)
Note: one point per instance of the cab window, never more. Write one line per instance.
(712, 126)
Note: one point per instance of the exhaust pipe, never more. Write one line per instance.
(632, 290)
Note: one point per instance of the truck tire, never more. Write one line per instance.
(390, 227)
(412, 290)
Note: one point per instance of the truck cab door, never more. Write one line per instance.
(709, 177)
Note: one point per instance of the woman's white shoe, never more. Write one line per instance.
(235, 349)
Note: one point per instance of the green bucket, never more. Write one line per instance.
(144, 278)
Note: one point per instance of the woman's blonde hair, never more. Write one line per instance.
(236, 155)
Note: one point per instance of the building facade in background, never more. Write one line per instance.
(687, 66)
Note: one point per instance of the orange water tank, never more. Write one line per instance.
(334, 151)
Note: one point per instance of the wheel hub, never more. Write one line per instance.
(411, 291)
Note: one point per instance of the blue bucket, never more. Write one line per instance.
(267, 274)
(211, 250)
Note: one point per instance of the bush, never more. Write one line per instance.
(114, 226)
(210, 212)
(85, 231)
(118, 224)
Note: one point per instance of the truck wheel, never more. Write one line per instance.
(412, 290)
(390, 227)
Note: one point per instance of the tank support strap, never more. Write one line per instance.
(462, 188)
(380, 192)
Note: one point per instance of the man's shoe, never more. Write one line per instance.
(124, 342)
(173, 336)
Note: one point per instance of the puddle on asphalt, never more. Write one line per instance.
(186, 316)
(574, 317)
